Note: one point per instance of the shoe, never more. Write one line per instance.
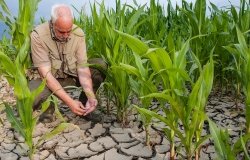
(47, 116)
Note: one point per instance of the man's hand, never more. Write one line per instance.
(77, 108)
(90, 105)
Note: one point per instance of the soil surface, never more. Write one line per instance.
(100, 137)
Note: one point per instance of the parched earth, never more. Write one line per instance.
(102, 138)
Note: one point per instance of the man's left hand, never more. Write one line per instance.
(90, 105)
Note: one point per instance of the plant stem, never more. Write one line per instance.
(197, 153)
(172, 151)
(172, 146)
(247, 116)
(147, 135)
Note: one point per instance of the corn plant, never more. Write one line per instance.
(242, 17)
(223, 148)
(186, 107)
(25, 122)
(142, 83)
(5, 47)
(116, 81)
(140, 48)
(191, 114)
(241, 53)
(20, 27)
(107, 44)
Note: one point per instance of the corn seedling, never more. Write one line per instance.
(25, 122)
(142, 83)
(14, 72)
(223, 148)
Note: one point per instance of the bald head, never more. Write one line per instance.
(62, 20)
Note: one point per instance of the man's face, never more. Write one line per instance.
(62, 28)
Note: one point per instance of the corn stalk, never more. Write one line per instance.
(142, 83)
(14, 72)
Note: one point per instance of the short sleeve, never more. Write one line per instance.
(39, 55)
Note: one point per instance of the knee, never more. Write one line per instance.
(99, 62)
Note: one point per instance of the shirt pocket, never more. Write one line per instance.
(71, 63)
(55, 64)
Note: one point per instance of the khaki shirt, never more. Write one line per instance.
(63, 58)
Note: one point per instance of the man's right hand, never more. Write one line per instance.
(77, 107)
(52, 83)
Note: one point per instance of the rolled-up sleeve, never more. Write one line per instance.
(39, 55)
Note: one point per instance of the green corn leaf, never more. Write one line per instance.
(159, 59)
(195, 126)
(215, 8)
(136, 87)
(171, 45)
(237, 147)
(58, 113)
(21, 85)
(200, 11)
(5, 7)
(15, 123)
(38, 90)
(139, 63)
(134, 1)
(180, 57)
(139, 24)
(52, 133)
(193, 22)
(134, 19)
(161, 118)
(243, 143)
(221, 142)
(158, 95)
(128, 68)
(2, 18)
(197, 62)
(201, 141)
(234, 13)
(46, 104)
(232, 50)
(146, 117)
(7, 65)
(242, 42)
(116, 49)
(134, 43)
(182, 73)
(201, 89)
(167, 133)
(23, 51)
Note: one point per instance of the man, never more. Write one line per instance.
(58, 51)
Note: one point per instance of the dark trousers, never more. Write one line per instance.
(97, 78)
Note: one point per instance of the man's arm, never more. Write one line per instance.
(86, 83)
(75, 106)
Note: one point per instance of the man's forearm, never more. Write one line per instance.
(86, 81)
(58, 90)
(54, 85)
